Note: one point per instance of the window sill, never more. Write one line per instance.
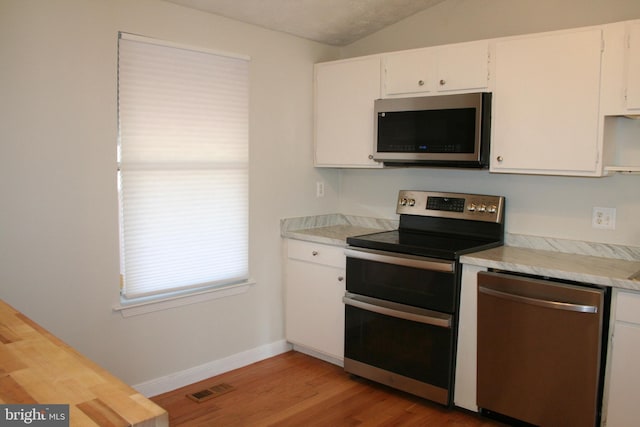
(165, 303)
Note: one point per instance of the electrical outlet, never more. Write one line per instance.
(319, 189)
(604, 218)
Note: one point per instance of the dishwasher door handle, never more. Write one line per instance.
(556, 305)
(399, 311)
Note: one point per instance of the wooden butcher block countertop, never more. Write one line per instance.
(38, 368)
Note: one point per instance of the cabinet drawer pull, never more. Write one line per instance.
(420, 82)
(314, 253)
(443, 82)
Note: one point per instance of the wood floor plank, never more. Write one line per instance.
(294, 389)
(12, 392)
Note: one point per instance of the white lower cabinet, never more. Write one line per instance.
(623, 378)
(315, 285)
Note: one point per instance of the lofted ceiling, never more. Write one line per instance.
(334, 22)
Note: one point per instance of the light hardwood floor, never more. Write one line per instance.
(294, 389)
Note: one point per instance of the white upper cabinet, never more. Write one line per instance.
(463, 67)
(459, 67)
(546, 98)
(632, 65)
(562, 100)
(620, 97)
(409, 72)
(344, 95)
(620, 89)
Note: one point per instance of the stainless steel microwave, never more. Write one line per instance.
(446, 130)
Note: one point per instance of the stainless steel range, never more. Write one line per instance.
(403, 290)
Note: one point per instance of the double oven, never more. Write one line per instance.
(403, 290)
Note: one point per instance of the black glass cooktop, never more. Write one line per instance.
(422, 243)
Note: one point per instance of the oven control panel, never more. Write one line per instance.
(475, 207)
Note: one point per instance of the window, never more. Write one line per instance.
(182, 167)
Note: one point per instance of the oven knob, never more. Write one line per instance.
(471, 207)
(403, 202)
(482, 208)
(492, 209)
(412, 202)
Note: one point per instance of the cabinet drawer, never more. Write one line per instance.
(316, 253)
(628, 307)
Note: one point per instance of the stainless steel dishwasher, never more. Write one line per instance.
(540, 349)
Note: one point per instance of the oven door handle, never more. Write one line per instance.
(400, 311)
(401, 259)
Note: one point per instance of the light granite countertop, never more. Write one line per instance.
(332, 229)
(589, 262)
(331, 234)
(577, 267)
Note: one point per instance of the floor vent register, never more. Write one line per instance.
(211, 392)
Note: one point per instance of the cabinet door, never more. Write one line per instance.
(344, 95)
(624, 381)
(623, 377)
(463, 67)
(633, 67)
(409, 72)
(457, 67)
(315, 285)
(546, 104)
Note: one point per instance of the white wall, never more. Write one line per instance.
(58, 221)
(537, 205)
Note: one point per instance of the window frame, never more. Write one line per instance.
(191, 293)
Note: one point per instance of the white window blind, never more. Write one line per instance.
(183, 167)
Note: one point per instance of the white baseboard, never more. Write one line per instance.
(319, 355)
(216, 367)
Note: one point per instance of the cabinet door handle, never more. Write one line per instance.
(499, 158)
(420, 82)
(314, 253)
(443, 82)
(340, 278)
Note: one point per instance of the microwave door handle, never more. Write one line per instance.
(444, 322)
